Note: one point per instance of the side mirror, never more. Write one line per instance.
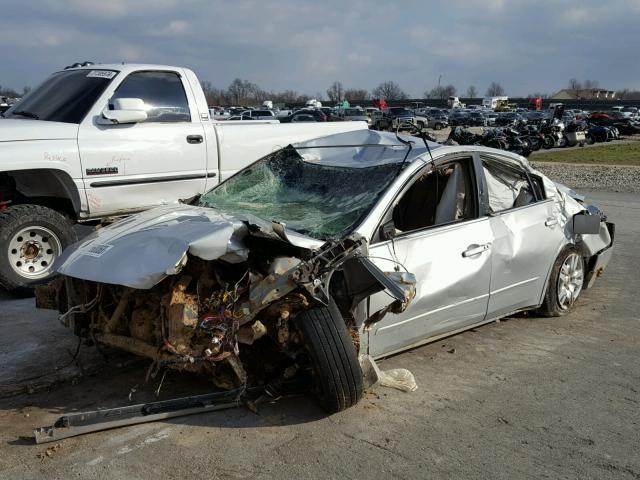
(585, 224)
(125, 110)
(387, 230)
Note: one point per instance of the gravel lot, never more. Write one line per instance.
(524, 398)
(612, 178)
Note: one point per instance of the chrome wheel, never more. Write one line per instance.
(32, 251)
(570, 280)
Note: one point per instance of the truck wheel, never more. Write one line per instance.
(565, 283)
(438, 126)
(31, 238)
(337, 377)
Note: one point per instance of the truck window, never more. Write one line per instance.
(64, 97)
(162, 92)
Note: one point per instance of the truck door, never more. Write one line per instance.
(139, 165)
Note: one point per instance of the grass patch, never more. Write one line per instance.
(603, 154)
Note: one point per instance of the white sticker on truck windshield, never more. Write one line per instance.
(101, 74)
(97, 250)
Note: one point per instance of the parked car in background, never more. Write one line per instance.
(458, 118)
(259, 114)
(509, 118)
(491, 118)
(303, 116)
(476, 119)
(380, 121)
(354, 114)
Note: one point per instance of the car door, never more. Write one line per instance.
(441, 239)
(139, 165)
(526, 235)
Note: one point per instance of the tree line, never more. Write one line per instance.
(244, 92)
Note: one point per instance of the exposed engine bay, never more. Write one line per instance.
(232, 321)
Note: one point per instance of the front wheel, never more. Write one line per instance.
(565, 283)
(31, 238)
(337, 376)
(437, 126)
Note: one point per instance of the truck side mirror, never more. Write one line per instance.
(125, 110)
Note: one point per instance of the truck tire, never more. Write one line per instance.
(565, 283)
(337, 377)
(31, 238)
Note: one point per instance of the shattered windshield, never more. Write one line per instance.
(321, 201)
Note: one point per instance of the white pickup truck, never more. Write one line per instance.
(99, 141)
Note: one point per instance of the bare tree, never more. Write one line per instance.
(441, 92)
(538, 94)
(472, 92)
(356, 94)
(574, 84)
(591, 84)
(335, 92)
(243, 91)
(8, 92)
(26, 89)
(389, 91)
(494, 90)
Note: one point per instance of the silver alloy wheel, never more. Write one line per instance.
(32, 251)
(570, 280)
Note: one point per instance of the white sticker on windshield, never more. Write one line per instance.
(101, 74)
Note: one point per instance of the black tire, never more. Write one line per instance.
(590, 140)
(551, 306)
(20, 217)
(437, 126)
(337, 377)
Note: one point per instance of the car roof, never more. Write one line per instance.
(363, 148)
(126, 67)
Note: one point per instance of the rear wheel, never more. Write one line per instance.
(31, 238)
(337, 377)
(565, 283)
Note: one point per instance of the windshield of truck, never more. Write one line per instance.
(64, 97)
(321, 201)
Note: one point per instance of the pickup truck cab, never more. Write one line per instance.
(100, 141)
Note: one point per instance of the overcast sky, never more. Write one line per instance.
(304, 45)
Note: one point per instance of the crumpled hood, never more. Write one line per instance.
(12, 130)
(142, 250)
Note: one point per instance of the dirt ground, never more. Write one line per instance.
(523, 398)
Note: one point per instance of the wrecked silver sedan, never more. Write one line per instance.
(324, 255)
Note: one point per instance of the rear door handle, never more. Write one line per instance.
(475, 249)
(550, 222)
(194, 139)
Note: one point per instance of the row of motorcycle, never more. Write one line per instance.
(524, 138)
